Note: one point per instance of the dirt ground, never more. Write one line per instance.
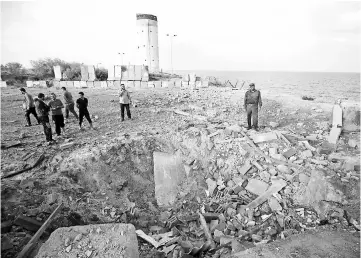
(29, 192)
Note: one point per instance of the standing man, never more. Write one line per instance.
(56, 105)
(124, 100)
(69, 104)
(29, 107)
(82, 105)
(251, 101)
(43, 111)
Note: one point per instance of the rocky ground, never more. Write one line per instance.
(107, 175)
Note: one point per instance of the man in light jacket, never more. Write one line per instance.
(29, 107)
(125, 101)
(69, 104)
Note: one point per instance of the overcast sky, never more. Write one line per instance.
(212, 35)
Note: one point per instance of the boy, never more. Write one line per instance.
(82, 105)
(43, 111)
(124, 100)
(56, 105)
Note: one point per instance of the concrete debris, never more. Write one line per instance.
(265, 137)
(274, 124)
(27, 223)
(256, 187)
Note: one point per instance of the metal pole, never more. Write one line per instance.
(171, 52)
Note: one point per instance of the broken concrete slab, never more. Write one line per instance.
(265, 137)
(105, 240)
(309, 244)
(256, 186)
(6, 226)
(27, 223)
(334, 135)
(274, 204)
(168, 174)
(6, 243)
(306, 154)
(303, 178)
(289, 153)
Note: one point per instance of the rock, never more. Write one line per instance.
(230, 184)
(265, 137)
(288, 190)
(256, 186)
(274, 204)
(273, 172)
(279, 157)
(211, 185)
(265, 176)
(284, 169)
(217, 235)
(292, 159)
(271, 232)
(306, 154)
(251, 223)
(6, 226)
(257, 238)
(272, 151)
(27, 223)
(353, 143)
(274, 124)
(123, 235)
(319, 188)
(6, 243)
(289, 153)
(52, 198)
(168, 173)
(231, 212)
(66, 145)
(234, 128)
(220, 162)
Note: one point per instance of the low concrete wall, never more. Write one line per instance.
(97, 84)
(103, 84)
(110, 84)
(3, 84)
(76, 84)
(90, 84)
(117, 84)
(83, 84)
(69, 84)
(40, 84)
(143, 84)
(137, 84)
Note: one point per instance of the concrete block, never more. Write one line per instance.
(256, 186)
(129, 84)
(57, 72)
(265, 137)
(164, 84)
(198, 84)
(171, 84)
(351, 119)
(145, 73)
(36, 84)
(84, 73)
(178, 83)
(131, 72)
(151, 84)
(117, 72)
(103, 84)
(90, 84)
(116, 84)
(289, 153)
(63, 84)
(168, 174)
(192, 77)
(110, 84)
(76, 84)
(83, 84)
(124, 73)
(6, 226)
(29, 84)
(184, 84)
(106, 240)
(97, 84)
(192, 85)
(56, 84)
(157, 84)
(137, 84)
(42, 84)
(143, 84)
(69, 84)
(205, 84)
(185, 77)
(91, 73)
(111, 72)
(27, 223)
(138, 72)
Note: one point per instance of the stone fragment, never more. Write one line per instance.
(274, 124)
(265, 137)
(272, 151)
(257, 238)
(353, 143)
(123, 235)
(289, 153)
(245, 168)
(256, 186)
(306, 154)
(231, 212)
(251, 223)
(265, 176)
(168, 174)
(66, 145)
(274, 204)
(6, 243)
(217, 235)
(273, 172)
(6, 226)
(279, 157)
(27, 223)
(211, 185)
(283, 169)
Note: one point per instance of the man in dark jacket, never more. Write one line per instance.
(82, 105)
(69, 104)
(56, 105)
(252, 100)
(43, 111)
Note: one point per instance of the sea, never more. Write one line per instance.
(325, 86)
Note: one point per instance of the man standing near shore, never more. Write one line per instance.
(252, 100)
(125, 101)
(69, 104)
(82, 105)
(56, 105)
(29, 107)
(43, 111)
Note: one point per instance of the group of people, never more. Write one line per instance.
(252, 103)
(40, 110)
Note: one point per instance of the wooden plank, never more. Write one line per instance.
(27, 249)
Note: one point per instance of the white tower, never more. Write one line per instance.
(147, 42)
